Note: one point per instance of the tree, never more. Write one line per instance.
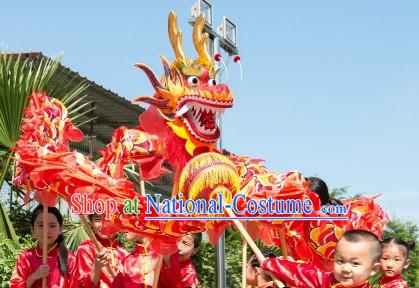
(342, 193)
(9, 252)
(204, 261)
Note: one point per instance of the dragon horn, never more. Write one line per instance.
(151, 76)
(200, 41)
(175, 36)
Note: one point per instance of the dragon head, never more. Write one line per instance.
(187, 95)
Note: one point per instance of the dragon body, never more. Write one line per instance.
(182, 119)
(180, 124)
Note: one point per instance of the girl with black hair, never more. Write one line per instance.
(29, 269)
(394, 259)
(188, 245)
(93, 268)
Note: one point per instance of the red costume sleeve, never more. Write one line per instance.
(188, 274)
(21, 272)
(85, 259)
(71, 269)
(170, 276)
(118, 281)
(138, 268)
(297, 274)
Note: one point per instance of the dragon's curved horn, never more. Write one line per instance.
(175, 36)
(200, 41)
(151, 76)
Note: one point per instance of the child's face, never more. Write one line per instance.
(54, 229)
(251, 274)
(186, 247)
(393, 260)
(97, 226)
(354, 262)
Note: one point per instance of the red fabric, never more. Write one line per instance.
(188, 274)
(314, 241)
(365, 214)
(301, 275)
(136, 266)
(393, 282)
(132, 145)
(173, 146)
(85, 259)
(46, 128)
(30, 260)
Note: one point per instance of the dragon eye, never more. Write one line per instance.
(212, 82)
(193, 80)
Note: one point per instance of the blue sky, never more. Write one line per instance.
(330, 88)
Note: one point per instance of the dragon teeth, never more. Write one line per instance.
(182, 111)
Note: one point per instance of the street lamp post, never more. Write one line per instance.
(226, 38)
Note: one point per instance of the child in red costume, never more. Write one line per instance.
(188, 245)
(255, 276)
(394, 259)
(356, 258)
(29, 269)
(138, 267)
(92, 268)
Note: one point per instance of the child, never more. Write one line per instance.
(255, 276)
(29, 269)
(357, 257)
(137, 270)
(92, 269)
(394, 259)
(188, 245)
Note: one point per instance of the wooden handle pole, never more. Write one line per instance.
(244, 263)
(140, 175)
(249, 240)
(90, 232)
(44, 241)
(96, 243)
(284, 249)
(157, 272)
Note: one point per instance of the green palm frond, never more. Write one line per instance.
(2, 153)
(6, 227)
(74, 234)
(131, 172)
(339, 193)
